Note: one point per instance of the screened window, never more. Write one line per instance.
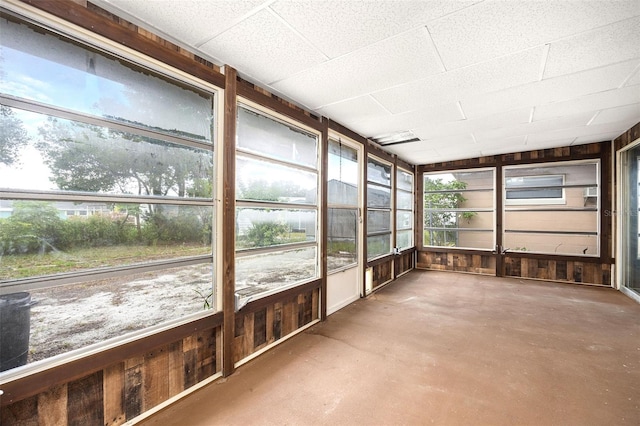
(568, 226)
(379, 208)
(106, 193)
(343, 217)
(459, 209)
(534, 190)
(276, 204)
(404, 209)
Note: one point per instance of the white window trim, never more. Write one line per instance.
(533, 201)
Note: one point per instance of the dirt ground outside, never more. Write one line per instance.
(70, 317)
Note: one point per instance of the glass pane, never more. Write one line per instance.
(476, 239)
(629, 260)
(552, 243)
(260, 273)
(378, 221)
(70, 317)
(62, 155)
(404, 200)
(404, 219)
(404, 180)
(583, 173)
(343, 175)
(460, 179)
(263, 135)
(378, 172)
(378, 196)
(271, 227)
(404, 239)
(378, 245)
(43, 238)
(265, 181)
(44, 68)
(457, 219)
(557, 221)
(342, 237)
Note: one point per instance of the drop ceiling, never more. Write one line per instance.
(459, 79)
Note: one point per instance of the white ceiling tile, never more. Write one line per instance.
(414, 152)
(494, 28)
(587, 133)
(613, 115)
(535, 127)
(269, 50)
(451, 128)
(369, 69)
(376, 126)
(607, 45)
(634, 80)
(607, 99)
(339, 27)
(205, 18)
(547, 140)
(354, 110)
(451, 86)
(598, 137)
(557, 89)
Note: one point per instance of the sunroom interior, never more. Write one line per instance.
(186, 185)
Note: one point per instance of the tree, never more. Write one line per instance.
(34, 226)
(90, 158)
(12, 136)
(438, 208)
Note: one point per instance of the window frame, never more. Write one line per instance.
(254, 107)
(335, 138)
(68, 33)
(390, 210)
(457, 229)
(535, 201)
(411, 211)
(557, 207)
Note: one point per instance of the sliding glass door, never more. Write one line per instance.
(628, 209)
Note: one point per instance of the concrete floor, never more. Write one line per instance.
(445, 349)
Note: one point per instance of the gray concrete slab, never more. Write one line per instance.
(445, 349)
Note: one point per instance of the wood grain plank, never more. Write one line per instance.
(85, 403)
(155, 378)
(52, 406)
(133, 387)
(113, 386)
(176, 368)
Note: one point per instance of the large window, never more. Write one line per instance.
(459, 209)
(404, 209)
(342, 195)
(277, 204)
(379, 208)
(106, 199)
(552, 208)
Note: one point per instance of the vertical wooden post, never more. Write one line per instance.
(499, 219)
(363, 249)
(228, 218)
(324, 211)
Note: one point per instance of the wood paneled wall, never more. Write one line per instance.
(124, 389)
(627, 137)
(484, 264)
(404, 262)
(558, 270)
(262, 326)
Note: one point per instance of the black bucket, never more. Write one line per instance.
(15, 326)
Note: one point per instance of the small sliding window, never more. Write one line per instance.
(552, 208)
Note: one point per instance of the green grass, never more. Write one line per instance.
(29, 265)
